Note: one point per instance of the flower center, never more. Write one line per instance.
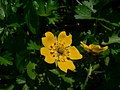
(60, 50)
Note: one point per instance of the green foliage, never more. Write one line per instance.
(47, 9)
(2, 13)
(21, 80)
(113, 39)
(84, 11)
(24, 22)
(33, 46)
(31, 70)
(25, 87)
(5, 62)
(6, 59)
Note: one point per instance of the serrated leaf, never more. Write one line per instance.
(30, 70)
(115, 51)
(113, 39)
(54, 18)
(46, 8)
(7, 56)
(5, 62)
(82, 12)
(33, 46)
(94, 2)
(51, 5)
(89, 5)
(41, 8)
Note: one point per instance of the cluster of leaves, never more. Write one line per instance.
(24, 22)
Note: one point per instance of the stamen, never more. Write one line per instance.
(60, 51)
(68, 52)
(53, 55)
(63, 60)
(51, 52)
(58, 60)
(51, 46)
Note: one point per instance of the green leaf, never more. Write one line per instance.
(115, 51)
(94, 2)
(20, 61)
(54, 18)
(46, 8)
(55, 71)
(2, 13)
(113, 39)
(30, 70)
(107, 60)
(68, 80)
(7, 56)
(21, 80)
(70, 88)
(1, 30)
(14, 25)
(96, 66)
(35, 4)
(28, 18)
(32, 19)
(33, 46)
(83, 12)
(89, 5)
(51, 5)
(41, 8)
(5, 62)
(105, 53)
(11, 87)
(25, 87)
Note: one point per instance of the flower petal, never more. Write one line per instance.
(100, 49)
(48, 40)
(48, 57)
(85, 46)
(67, 64)
(74, 53)
(64, 39)
(93, 46)
(105, 48)
(97, 48)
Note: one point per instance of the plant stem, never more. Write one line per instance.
(86, 80)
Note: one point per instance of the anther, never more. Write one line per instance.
(51, 52)
(53, 55)
(51, 46)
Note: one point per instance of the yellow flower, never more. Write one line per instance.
(59, 50)
(93, 48)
